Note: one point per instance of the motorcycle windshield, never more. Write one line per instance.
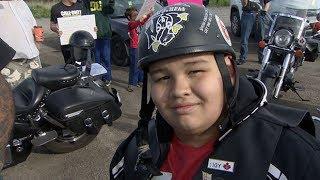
(290, 14)
(301, 8)
(289, 23)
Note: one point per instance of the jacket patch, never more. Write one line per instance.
(275, 173)
(221, 165)
(164, 176)
(118, 168)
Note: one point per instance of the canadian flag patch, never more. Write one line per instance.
(221, 165)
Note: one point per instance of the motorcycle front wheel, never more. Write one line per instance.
(65, 144)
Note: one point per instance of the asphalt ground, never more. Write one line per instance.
(92, 161)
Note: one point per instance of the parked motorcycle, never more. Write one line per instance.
(62, 107)
(291, 41)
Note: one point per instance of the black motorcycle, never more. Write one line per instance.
(62, 107)
(291, 41)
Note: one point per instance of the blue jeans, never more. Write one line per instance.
(135, 73)
(263, 27)
(103, 56)
(249, 22)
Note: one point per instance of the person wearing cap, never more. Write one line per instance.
(210, 123)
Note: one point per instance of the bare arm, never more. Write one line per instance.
(267, 6)
(54, 27)
(6, 115)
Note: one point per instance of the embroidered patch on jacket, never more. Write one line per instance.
(165, 27)
(221, 165)
(164, 176)
(275, 174)
(118, 168)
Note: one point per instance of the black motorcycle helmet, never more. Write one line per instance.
(178, 30)
(81, 44)
(185, 29)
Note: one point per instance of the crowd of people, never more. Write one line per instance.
(102, 11)
(20, 68)
(210, 122)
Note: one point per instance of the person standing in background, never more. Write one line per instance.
(135, 73)
(65, 8)
(249, 18)
(18, 30)
(102, 9)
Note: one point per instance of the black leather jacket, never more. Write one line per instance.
(272, 142)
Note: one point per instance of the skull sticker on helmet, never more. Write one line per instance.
(165, 28)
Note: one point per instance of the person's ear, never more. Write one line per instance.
(231, 68)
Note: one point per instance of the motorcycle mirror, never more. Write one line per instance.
(318, 16)
(262, 44)
(6, 54)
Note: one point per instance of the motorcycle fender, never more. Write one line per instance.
(272, 71)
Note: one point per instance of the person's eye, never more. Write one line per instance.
(163, 78)
(160, 78)
(195, 72)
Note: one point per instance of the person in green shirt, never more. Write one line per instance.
(102, 9)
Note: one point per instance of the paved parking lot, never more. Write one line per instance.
(92, 161)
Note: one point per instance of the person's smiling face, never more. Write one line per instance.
(188, 91)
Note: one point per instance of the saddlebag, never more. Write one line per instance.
(76, 107)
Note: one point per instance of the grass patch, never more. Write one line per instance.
(219, 3)
(41, 9)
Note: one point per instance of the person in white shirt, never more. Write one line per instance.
(17, 24)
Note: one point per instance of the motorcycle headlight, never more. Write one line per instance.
(283, 38)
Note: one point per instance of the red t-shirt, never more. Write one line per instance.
(133, 33)
(183, 161)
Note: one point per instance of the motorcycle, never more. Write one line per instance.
(62, 107)
(291, 41)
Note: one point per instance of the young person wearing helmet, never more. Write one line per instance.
(210, 123)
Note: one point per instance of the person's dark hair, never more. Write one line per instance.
(129, 11)
(6, 115)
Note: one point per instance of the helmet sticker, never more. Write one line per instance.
(206, 23)
(223, 30)
(165, 27)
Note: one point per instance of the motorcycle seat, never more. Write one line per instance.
(57, 76)
(27, 96)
